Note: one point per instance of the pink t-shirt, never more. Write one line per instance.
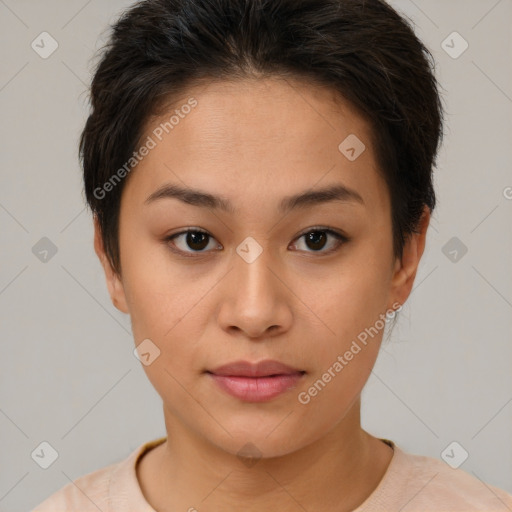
(411, 483)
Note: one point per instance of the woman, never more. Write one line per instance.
(260, 175)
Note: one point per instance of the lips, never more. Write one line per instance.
(256, 382)
(265, 368)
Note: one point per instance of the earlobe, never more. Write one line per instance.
(405, 269)
(114, 282)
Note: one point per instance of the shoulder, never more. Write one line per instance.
(114, 488)
(87, 493)
(427, 483)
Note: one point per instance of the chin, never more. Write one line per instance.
(263, 440)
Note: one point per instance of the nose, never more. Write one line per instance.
(255, 298)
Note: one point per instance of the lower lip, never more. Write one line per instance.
(256, 389)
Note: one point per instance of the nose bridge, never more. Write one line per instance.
(253, 270)
(254, 301)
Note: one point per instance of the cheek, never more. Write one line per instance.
(168, 306)
(159, 294)
(347, 341)
(346, 303)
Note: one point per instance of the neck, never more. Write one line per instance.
(337, 472)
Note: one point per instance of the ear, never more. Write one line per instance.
(114, 282)
(405, 269)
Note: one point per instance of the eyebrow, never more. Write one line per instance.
(304, 199)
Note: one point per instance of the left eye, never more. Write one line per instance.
(198, 240)
(316, 239)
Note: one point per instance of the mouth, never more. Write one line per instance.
(267, 368)
(256, 382)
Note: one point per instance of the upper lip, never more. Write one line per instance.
(260, 369)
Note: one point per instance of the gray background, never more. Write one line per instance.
(68, 375)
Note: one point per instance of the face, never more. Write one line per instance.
(260, 275)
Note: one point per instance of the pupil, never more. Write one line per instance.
(192, 239)
(313, 236)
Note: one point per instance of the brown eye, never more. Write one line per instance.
(196, 240)
(317, 239)
(190, 241)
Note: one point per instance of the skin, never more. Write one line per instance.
(255, 142)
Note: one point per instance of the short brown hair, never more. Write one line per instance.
(362, 49)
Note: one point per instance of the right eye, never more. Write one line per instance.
(195, 239)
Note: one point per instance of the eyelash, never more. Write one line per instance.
(341, 240)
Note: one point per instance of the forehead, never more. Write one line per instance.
(246, 138)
